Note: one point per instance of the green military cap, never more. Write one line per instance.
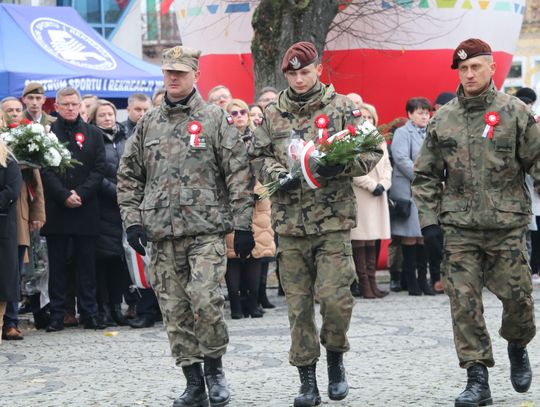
(180, 58)
(33, 87)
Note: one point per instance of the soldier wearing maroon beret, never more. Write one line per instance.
(469, 187)
(313, 225)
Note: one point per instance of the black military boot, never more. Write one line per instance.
(520, 368)
(338, 388)
(477, 392)
(308, 395)
(195, 393)
(218, 389)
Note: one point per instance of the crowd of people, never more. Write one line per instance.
(140, 181)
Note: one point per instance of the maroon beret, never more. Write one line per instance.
(470, 48)
(298, 56)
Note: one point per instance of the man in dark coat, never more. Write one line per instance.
(72, 211)
(138, 105)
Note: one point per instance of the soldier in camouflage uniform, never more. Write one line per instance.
(183, 183)
(313, 225)
(470, 188)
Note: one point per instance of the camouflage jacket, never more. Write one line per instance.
(175, 189)
(304, 211)
(468, 181)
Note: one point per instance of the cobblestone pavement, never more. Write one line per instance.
(402, 354)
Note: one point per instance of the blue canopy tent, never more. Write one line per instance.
(55, 46)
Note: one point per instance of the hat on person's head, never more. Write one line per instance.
(180, 58)
(444, 98)
(33, 87)
(298, 56)
(526, 94)
(473, 47)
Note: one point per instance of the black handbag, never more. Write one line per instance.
(399, 208)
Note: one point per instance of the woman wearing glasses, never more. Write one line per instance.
(239, 111)
(243, 276)
(111, 272)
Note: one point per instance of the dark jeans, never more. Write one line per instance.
(84, 259)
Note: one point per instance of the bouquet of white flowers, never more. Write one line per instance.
(34, 146)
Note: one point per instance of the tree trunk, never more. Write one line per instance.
(277, 24)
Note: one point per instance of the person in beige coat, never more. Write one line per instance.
(372, 218)
(248, 270)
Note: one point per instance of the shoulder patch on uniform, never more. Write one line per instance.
(356, 113)
(230, 120)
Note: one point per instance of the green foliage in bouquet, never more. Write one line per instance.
(344, 146)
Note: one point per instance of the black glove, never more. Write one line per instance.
(136, 238)
(289, 183)
(433, 239)
(329, 171)
(243, 243)
(379, 189)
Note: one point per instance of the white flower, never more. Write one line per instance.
(33, 147)
(66, 154)
(37, 128)
(53, 137)
(53, 157)
(367, 127)
(7, 137)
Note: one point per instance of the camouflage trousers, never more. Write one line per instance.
(495, 259)
(185, 274)
(322, 268)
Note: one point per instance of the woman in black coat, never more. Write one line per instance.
(111, 271)
(10, 188)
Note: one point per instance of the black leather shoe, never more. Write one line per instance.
(195, 393)
(218, 389)
(56, 325)
(395, 281)
(141, 322)
(355, 290)
(117, 316)
(93, 323)
(338, 388)
(309, 395)
(520, 368)
(42, 319)
(477, 392)
(425, 287)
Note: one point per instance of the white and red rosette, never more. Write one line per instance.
(79, 139)
(491, 119)
(321, 122)
(194, 128)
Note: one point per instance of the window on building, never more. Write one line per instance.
(102, 15)
(516, 70)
